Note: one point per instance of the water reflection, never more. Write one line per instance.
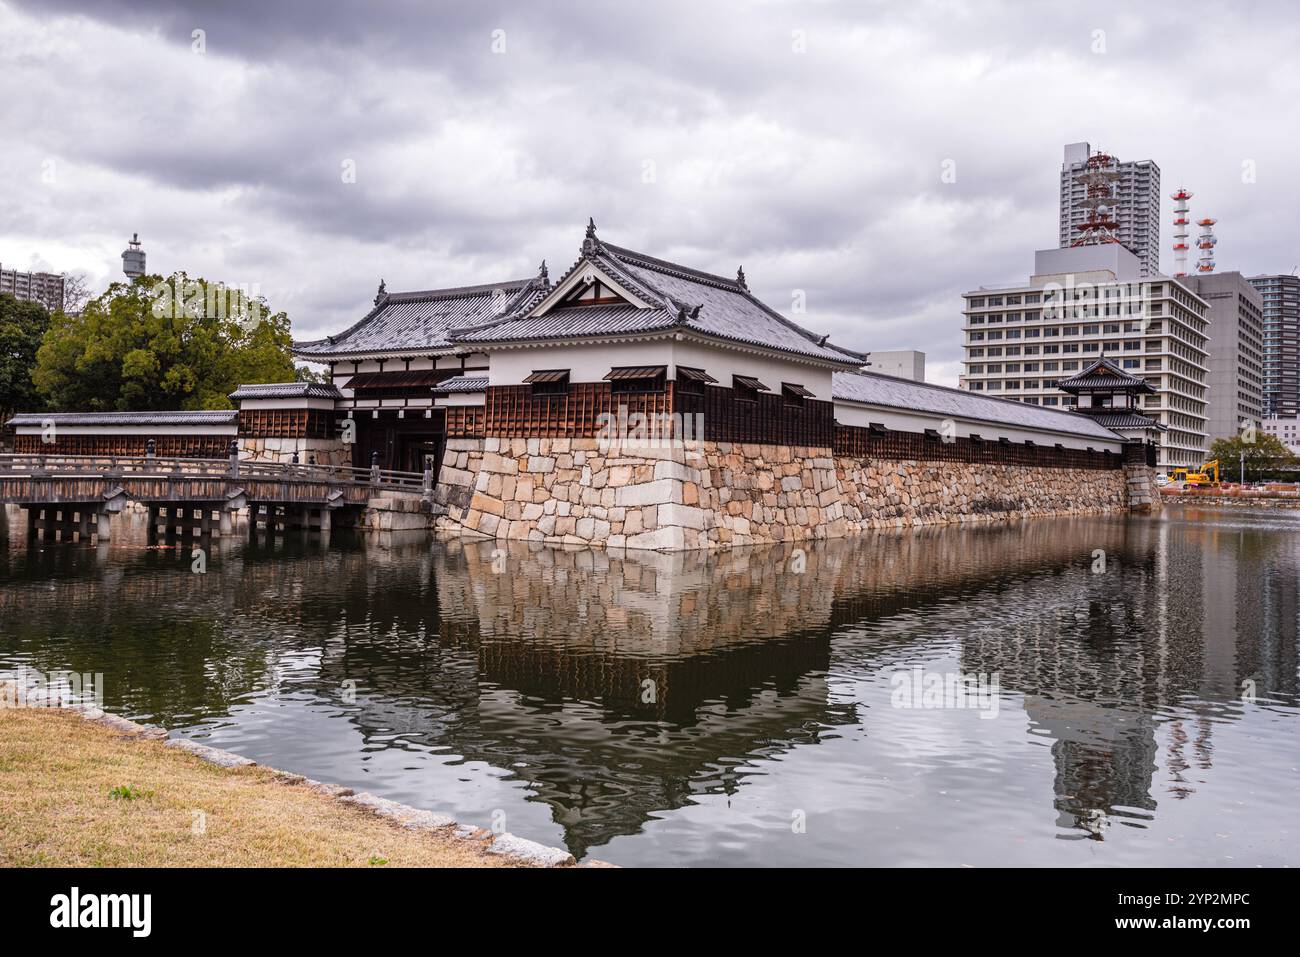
(623, 697)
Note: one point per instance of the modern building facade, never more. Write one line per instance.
(1287, 431)
(1281, 304)
(1137, 195)
(1082, 304)
(900, 363)
(1236, 350)
(43, 287)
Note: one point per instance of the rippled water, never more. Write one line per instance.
(743, 708)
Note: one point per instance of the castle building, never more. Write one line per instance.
(641, 403)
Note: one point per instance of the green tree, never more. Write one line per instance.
(155, 344)
(22, 326)
(1266, 457)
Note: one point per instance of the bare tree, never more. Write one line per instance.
(76, 292)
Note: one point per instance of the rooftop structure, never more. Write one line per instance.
(133, 258)
(1133, 214)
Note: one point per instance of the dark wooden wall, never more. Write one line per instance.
(858, 442)
(186, 446)
(769, 419)
(287, 424)
(513, 410)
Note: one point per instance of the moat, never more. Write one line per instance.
(1141, 703)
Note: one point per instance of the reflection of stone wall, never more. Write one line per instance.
(576, 492)
(280, 450)
(641, 606)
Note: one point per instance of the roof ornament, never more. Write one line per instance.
(740, 278)
(822, 340)
(683, 317)
(382, 292)
(543, 275)
(590, 244)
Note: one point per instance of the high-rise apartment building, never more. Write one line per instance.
(43, 287)
(1137, 205)
(1083, 303)
(1236, 350)
(1281, 297)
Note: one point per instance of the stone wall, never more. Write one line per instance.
(1143, 493)
(577, 492)
(281, 450)
(881, 493)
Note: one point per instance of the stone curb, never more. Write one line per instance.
(507, 845)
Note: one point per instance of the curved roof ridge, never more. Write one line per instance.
(665, 265)
(453, 292)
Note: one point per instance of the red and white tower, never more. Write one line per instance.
(1206, 244)
(1180, 196)
(1099, 204)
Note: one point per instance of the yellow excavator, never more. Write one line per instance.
(1207, 476)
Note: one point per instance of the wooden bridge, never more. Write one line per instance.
(67, 495)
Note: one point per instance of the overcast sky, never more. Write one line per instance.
(806, 141)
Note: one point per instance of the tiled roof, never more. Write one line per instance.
(569, 322)
(462, 383)
(1124, 419)
(218, 417)
(1103, 374)
(419, 320)
(288, 390)
(678, 297)
(870, 388)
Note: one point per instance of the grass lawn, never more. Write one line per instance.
(76, 793)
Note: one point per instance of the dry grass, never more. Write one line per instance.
(57, 771)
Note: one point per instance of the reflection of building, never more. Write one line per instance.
(535, 662)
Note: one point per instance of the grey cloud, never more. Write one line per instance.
(818, 171)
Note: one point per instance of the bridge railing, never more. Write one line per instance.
(109, 466)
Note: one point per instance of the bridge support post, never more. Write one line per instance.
(104, 525)
(224, 524)
(33, 512)
(83, 524)
(153, 523)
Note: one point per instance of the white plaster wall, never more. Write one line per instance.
(304, 403)
(590, 363)
(587, 363)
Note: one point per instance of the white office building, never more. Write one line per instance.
(1081, 304)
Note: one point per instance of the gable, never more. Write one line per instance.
(588, 285)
